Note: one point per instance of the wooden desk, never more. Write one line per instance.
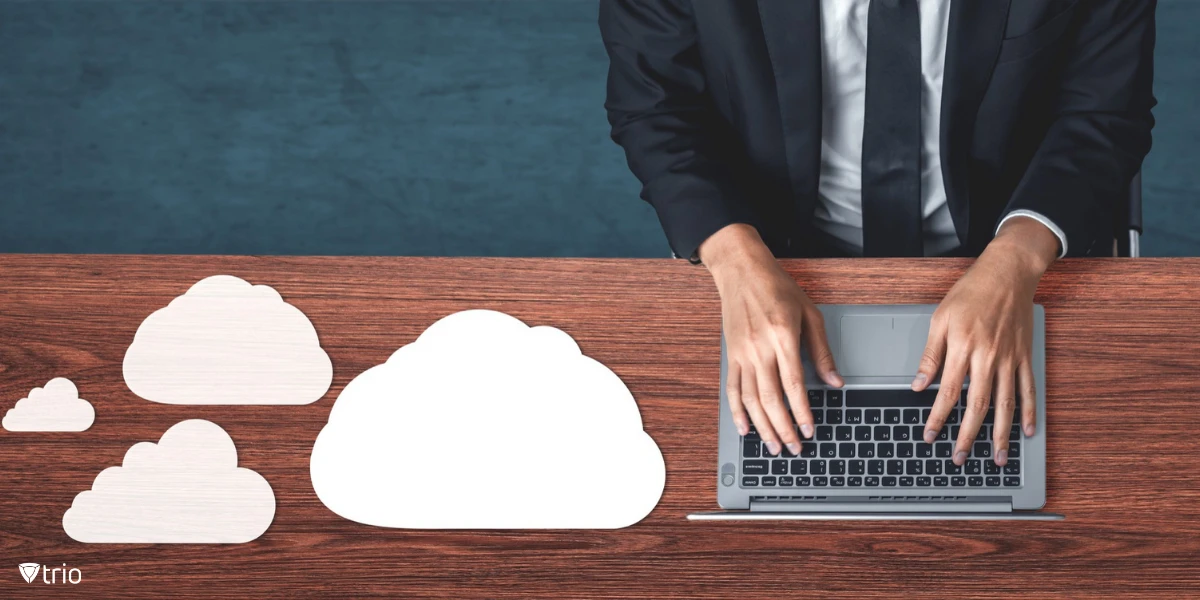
(1123, 370)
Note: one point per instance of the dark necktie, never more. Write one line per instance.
(891, 157)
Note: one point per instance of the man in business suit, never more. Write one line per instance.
(1003, 129)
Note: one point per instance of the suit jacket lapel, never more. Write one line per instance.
(792, 29)
(972, 45)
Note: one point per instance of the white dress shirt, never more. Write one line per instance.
(844, 79)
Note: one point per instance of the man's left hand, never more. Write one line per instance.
(984, 327)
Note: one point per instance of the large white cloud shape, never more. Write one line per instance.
(486, 423)
(228, 342)
(56, 407)
(186, 489)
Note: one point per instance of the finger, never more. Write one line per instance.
(733, 393)
(792, 374)
(818, 348)
(948, 393)
(979, 396)
(750, 400)
(770, 395)
(935, 353)
(1006, 401)
(1028, 388)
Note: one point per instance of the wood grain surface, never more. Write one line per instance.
(1123, 380)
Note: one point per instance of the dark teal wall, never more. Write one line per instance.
(382, 127)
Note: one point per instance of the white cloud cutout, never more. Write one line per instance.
(56, 407)
(228, 342)
(486, 423)
(186, 489)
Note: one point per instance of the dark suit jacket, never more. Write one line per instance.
(717, 103)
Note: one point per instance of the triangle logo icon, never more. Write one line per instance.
(29, 571)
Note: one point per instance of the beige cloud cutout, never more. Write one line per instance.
(226, 341)
(55, 407)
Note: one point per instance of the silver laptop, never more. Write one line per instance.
(867, 459)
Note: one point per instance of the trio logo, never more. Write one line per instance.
(30, 570)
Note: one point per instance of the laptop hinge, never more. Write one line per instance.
(882, 503)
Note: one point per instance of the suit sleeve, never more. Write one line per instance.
(1081, 171)
(662, 115)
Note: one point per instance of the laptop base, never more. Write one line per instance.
(874, 516)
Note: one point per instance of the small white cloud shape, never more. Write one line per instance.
(228, 342)
(486, 423)
(56, 407)
(186, 489)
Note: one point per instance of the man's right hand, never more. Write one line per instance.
(765, 315)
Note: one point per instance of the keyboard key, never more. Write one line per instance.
(844, 433)
(914, 467)
(951, 468)
(837, 467)
(785, 453)
(906, 482)
(837, 481)
(803, 481)
(943, 434)
(1014, 450)
(882, 433)
(787, 481)
(918, 432)
(768, 481)
(974, 466)
(866, 450)
(824, 433)
(889, 398)
(873, 416)
(750, 448)
(982, 434)
(895, 467)
(982, 450)
(954, 429)
(885, 450)
(833, 417)
(889, 482)
(975, 481)
(808, 450)
(1010, 481)
(993, 481)
(925, 414)
(778, 467)
(943, 449)
(875, 467)
(900, 433)
(1014, 434)
(924, 482)
(799, 467)
(862, 433)
(959, 481)
(858, 467)
(846, 449)
(942, 481)
(753, 434)
(924, 450)
(816, 398)
(749, 481)
(871, 482)
(854, 481)
(818, 416)
(912, 416)
(933, 466)
(817, 467)
(891, 416)
(952, 417)
(820, 481)
(990, 468)
(754, 467)
(827, 450)
(904, 450)
(1013, 467)
(853, 416)
(833, 398)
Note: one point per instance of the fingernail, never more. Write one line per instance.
(930, 435)
(960, 458)
(794, 448)
(773, 448)
(919, 379)
(806, 429)
(1001, 457)
(742, 429)
(1029, 430)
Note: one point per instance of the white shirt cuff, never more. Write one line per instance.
(1040, 218)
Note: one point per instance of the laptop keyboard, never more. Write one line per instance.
(875, 438)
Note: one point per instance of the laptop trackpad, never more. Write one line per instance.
(881, 345)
